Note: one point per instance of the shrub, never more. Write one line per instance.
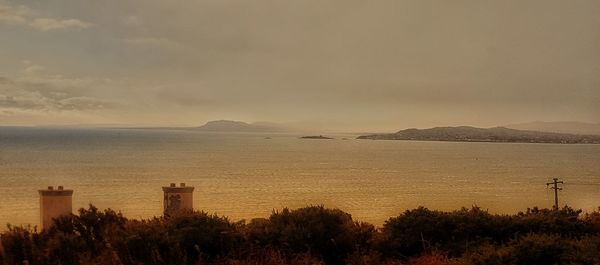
(329, 234)
(272, 257)
(565, 222)
(422, 229)
(310, 236)
(20, 244)
(199, 234)
(586, 250)
(539, 249)
(91, 230)
(186, 238)
(435, 258)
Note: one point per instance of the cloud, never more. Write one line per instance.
(46, 98)
(13, 15)
(46, 24)
(4, 80)
(32, 69)
(82, 103)
(183, 98)
(21, 102)
(22, 15)
(132, 20)
(34, 91)
(413, 63)
(7, 113)
(152, 41)
(28, 98)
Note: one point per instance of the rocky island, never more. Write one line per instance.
(473, 134)
(316, 137)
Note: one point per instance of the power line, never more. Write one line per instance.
(582, 183)
(555, 187)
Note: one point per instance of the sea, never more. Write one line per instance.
(250, 175)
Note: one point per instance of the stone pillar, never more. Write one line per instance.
(53, 204)
(177, 199)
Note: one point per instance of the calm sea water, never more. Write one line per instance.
(245, 175)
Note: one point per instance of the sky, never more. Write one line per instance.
(342, 65)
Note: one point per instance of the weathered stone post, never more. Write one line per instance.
(53, 204)
(177, 199)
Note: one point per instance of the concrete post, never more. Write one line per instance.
(177, 199)
(53, 204)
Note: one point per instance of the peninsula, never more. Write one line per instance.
(473, 134)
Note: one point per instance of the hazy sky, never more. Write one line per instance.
(352, 65)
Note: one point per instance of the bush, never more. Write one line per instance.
(586, 250)
(20, 244)
(536, 249)
(311, 236)
(272, 257)
(456, 232)
(329, 234)
(422, 229)
(565, 222)
(435, 258)
(186, 238)
(90, 231)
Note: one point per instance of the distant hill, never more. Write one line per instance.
(472, 134)
(238, 126)
(559, 127)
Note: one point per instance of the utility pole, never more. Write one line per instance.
(555, 187)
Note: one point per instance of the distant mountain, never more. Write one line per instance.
(559, 127)
(496, 134)
(238, 126)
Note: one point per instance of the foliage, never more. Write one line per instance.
(329, 234)
(311, 235)
(539, 249)
(422, 229)
(456, 232)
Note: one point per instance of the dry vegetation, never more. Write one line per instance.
(312, 235)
